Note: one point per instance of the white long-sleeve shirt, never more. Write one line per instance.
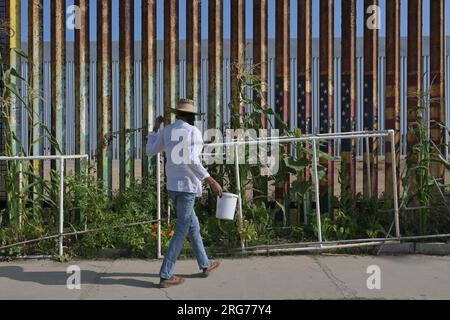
(182, 144)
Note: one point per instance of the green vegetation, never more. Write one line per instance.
(31, 211)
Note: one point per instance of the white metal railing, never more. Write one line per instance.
(313, 139)
(62, 159)
(235, 144)
(61, 234)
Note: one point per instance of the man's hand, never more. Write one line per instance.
(215, 186)
(158, 123)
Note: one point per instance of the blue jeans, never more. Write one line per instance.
(187, 225)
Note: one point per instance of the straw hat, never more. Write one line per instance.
(186, 106)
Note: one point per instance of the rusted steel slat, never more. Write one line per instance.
(4, 35)
(36, 75)
(326, 94)
(260, 51)
(392, 89)
(414, 63)
(370, 100)
(58, 53)
(104, 93)
(437, 77)
(260, 67)
(194, 52)
(13, 117)
(82, 66)
(215, 63)
(126, 114)
(237, 57)
(415, 68)
(14, 113)
(304, 65)
(36, 89)
(171, 64)
(348, 83)
(304, 78)
(282, 77)
(148, 75)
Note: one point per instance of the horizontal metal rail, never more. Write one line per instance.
(308, 249)
(338, 242)
(306, 138)
(77, 233)
(314, 139)
(30, 158)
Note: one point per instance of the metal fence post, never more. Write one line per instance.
(168, 211)
(237, 59)
(348, 88)
(148, 106)
(171, 57)
(394, 183)
(370, 96)
(104, 94)
(437, 83)
(215, 64)
(36, 75)
(369, 169)
(127, 95)
(14, 60)
(238, 189)
(326, 96)
(316, 186)
(61, 205)
(158, 203)
(82, 71)
(21, 186)
(58, 76)
(392, 88)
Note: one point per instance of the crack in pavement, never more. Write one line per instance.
(346, 292)
(84, 295)
(166, 294)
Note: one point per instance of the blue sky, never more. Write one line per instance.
(249, 18)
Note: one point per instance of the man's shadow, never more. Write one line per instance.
(88, 277)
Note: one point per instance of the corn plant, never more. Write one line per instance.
(297, 161)
(420, 187)
(28, 193)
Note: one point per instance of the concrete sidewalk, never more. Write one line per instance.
(287, 277)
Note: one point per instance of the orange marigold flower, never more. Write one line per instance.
(155, 225)
(154, 234)
(172, 233)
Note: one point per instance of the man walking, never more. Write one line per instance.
(182, 142)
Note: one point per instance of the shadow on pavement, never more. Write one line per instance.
(59, 278)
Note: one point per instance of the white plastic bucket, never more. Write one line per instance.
(226, 206)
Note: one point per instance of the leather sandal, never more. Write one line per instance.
(214, 266)
(174, 281)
